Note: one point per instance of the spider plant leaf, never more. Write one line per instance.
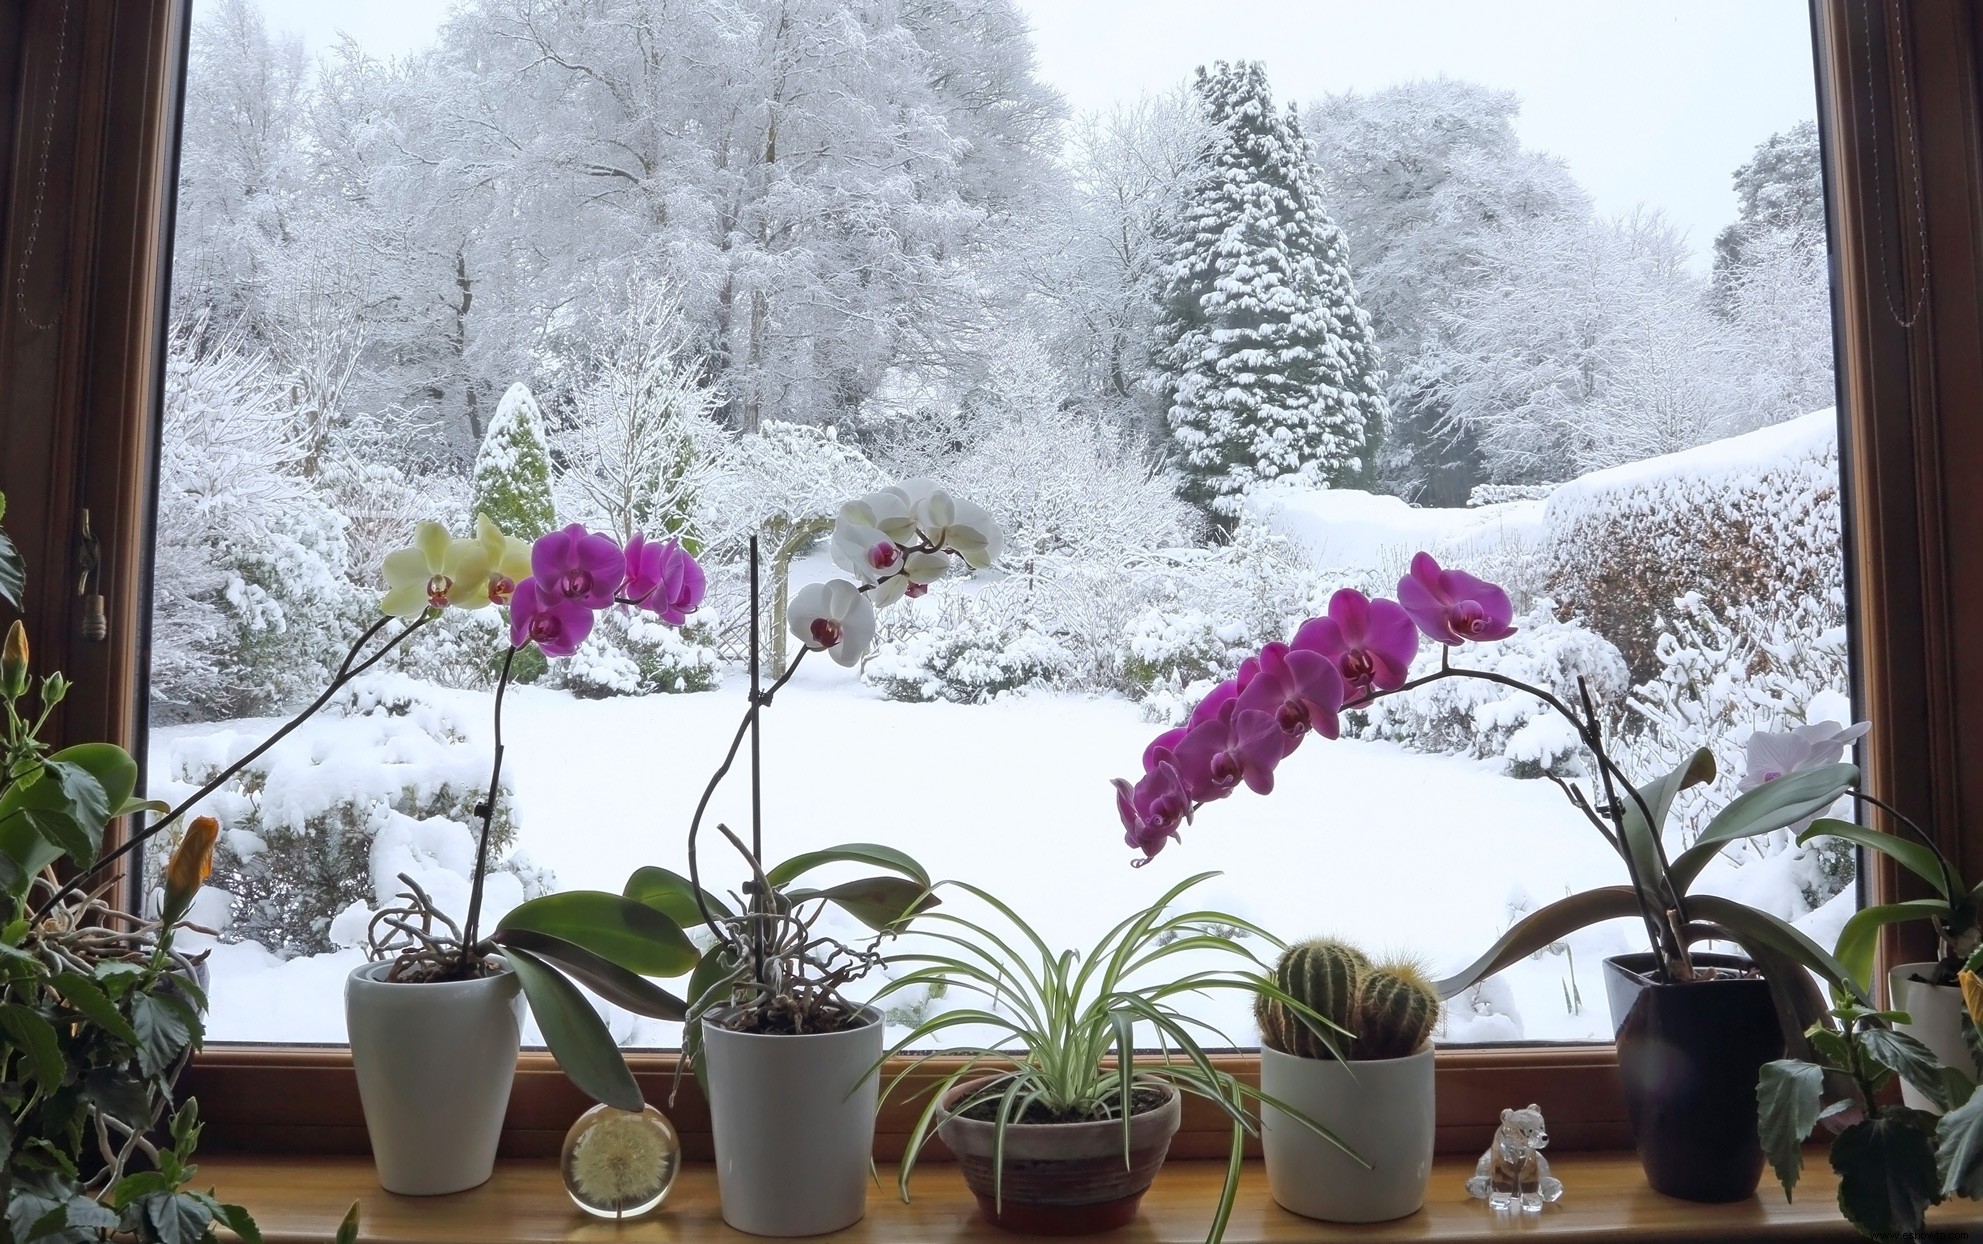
(1772, 805)
(673, 895)
(1125, 1057)
(1540, 928)
(870, 853)
(1916, 857)
(577, 1036)
(1229, 1193)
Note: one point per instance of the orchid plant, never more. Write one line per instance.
(769, 969)
(1361, 651)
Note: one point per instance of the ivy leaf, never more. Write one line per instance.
(37, 1040)
(1913, 1061)
(1787, 1097)
(1887, 1172)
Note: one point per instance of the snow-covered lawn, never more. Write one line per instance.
(1426, 855)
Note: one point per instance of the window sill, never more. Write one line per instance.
(301, 1200)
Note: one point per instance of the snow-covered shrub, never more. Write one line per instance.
(637, 656)
(962, 646)
(1472, 717)
(1175, 648)
(382, 782)
(1749, 522)
(250, 608)
(381, 503)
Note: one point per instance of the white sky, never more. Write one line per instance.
(1649, 101)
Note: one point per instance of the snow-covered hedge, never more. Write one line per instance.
(1472, 717)
(963, 646)
(383, 782)
(637, 656)
(1749, 522)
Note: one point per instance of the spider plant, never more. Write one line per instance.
(1059, 1016)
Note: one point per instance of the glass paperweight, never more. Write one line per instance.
(1513, 1174)
(621, 1165)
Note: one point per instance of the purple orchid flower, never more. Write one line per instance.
(577, 565)
(663, 578)
(1163, 747)
(1299, 690)
(1239, 745)
(1452, 606)
(556, 624)
(1371, 643)
(1225, 692)
(1152, 809)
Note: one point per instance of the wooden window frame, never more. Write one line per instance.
(89, 167)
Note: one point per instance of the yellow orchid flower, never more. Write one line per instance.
(435, 573)
(509, 559)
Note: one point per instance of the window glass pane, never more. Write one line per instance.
(1217, 311)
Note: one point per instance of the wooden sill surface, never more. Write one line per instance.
(301, 1200)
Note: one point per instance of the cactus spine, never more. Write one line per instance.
(1390, 1009)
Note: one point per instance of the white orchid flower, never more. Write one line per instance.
(1772, 756)
(436, 572)
(864, 550)
(891, 511)
(836, 618)
(959, 526)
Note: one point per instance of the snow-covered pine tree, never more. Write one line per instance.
(1264, 356)
(512, 479)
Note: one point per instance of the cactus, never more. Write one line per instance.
(1389, 1009)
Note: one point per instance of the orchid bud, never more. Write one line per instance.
(191, 865)
(14, 662)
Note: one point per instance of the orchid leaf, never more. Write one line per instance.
(617, 929)
(881, 903)
(1859, 940)
(602, 976)
(1642, 841)
(849, 853)
(673, 895)
(1886, 1166)
(1751, 927)
(1787, 1099)
(1772, 805)
(13, 573)
(1542, 927)
(1959, 1150)
(578, 1038)
(1916, 857)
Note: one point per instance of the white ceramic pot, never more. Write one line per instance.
(1382, 1109)
(793, 1119)
(1936, 1011)
(435, 1063)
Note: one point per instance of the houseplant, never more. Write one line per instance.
(1052, 1135)
(1371, 1086)
(1693, 1124)
(786, 1058)
(99, 1009)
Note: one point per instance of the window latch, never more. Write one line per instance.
(96, 627)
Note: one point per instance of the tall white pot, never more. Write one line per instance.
(1383, 1109)
(435, 1063)
(794, 1126)
(1936, 1012)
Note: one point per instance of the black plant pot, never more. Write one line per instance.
(1689, 1055)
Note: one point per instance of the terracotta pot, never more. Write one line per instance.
(1688, 1058)
(1936, 1015)
(1061, 1178)
(1382, 1108)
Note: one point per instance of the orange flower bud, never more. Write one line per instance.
(1972, 995)
(191, 865)
(14, 661)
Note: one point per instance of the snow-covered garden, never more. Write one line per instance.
(1205, 359)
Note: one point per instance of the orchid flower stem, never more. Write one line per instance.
(488, 810)
(350, 669)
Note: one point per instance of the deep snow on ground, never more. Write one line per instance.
(1426, 855)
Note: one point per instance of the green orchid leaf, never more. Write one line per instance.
(87, 996)
(577, 1036)
(1541, 928)
(1859, 941)
(673, 895)
(1643, 841)
(1787, 1099)
(883, 904)
(36, 1039)
(1753, 928)
(1886, 1172)
(849, 853)
(1959, 1150)
(13, 573)
(617, 929)
(1907, 1058)
(1772, 805)
(609, 980)
(1916, 857)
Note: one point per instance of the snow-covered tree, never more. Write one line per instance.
(1265, 355)
(1779, 193)
(511, 482)
(637, 429)
(1423, 178)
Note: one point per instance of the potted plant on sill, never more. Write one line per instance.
(1694, 1120)
(787, 1060)
(1052, 1135)
(1370, 1084)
